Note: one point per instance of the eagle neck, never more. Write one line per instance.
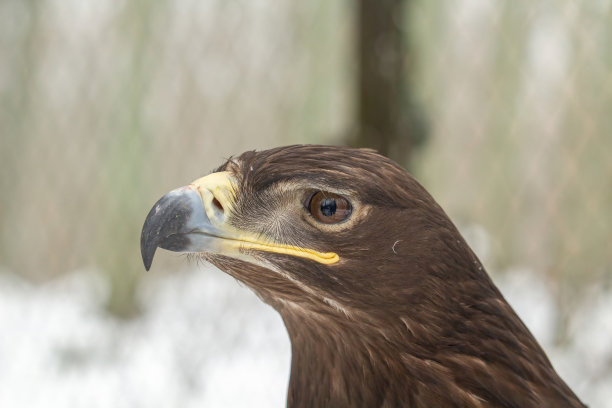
(341, 362)
(327, 364)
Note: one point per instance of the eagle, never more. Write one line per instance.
(384, 302)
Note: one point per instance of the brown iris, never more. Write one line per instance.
(329, 208)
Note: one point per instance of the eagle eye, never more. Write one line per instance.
(329, 208)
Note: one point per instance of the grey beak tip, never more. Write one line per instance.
(166, 224)
(148, 243)
(147, 252)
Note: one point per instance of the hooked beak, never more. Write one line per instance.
(181, 220)
(194, 218)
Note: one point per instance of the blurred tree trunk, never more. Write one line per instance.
(117, 251)
(383, 117)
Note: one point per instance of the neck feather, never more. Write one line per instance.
(359, 360)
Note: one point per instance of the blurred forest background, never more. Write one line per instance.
(502, 109)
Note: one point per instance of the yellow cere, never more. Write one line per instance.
(222, 185)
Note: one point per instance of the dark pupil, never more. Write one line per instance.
(328, 207)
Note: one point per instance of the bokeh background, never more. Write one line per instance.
(502, 109)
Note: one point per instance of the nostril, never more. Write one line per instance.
(217, 204)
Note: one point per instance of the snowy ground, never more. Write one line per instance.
(206, 341)
(189, 349)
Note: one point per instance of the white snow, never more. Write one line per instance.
(189, 349)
